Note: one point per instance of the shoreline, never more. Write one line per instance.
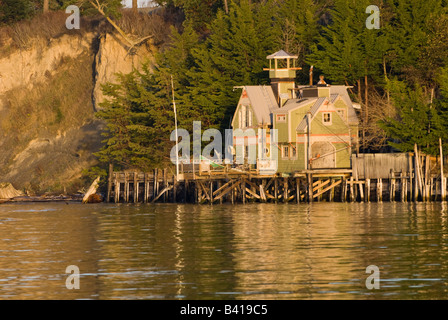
(61, 198)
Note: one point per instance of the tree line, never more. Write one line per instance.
(397, 73)
(16, 10)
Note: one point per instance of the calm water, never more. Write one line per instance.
(257, 251)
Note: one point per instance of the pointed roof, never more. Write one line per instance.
(304, 123)
(342, 92)
(281, 55)
(263, 102)
(294, 104)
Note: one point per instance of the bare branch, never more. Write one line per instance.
(100, 7)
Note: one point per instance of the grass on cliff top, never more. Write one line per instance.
(23, 35)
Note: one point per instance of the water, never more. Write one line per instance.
(256, 251)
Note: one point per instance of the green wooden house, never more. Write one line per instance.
(317, 126)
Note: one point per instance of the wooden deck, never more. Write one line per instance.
(233, 186)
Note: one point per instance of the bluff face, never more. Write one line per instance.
(49, 92)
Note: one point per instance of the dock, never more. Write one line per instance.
(203, 184)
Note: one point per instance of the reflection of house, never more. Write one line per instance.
(317, 125)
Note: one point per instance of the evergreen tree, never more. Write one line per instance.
(15, 10)
(296, 29)
(139, 121)
(419, 121)
(199, 13)
(233, 55)
(139, 113)
(411, 28)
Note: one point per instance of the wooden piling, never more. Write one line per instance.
(174, 189)
(442, 176)
(117, 190)
(211, 191)
(411, 176)
(109, 182)
(135, 187)
(345, 191)
(379, 190)
(275, 190)
(391, 186)
(146, 187)
(251, 187)
(352, 190)
(165, 184)
(155, 190)
(310, 187)
(185, 190)
(126, 187)
(402, 187)
(367, 193)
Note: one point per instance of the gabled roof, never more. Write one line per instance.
(342, 92)
(294, 104)
(333, 97)
(263, 102)
(303, 124)
(281, 55)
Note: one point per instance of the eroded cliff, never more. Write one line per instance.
(49, 92)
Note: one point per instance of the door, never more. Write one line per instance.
(324, 155)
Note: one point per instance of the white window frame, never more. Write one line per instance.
(283, 117)
(285, 155)
(327, 123)
(292, 150)
(243, 117)
(240, 118)
(343, 115)
(248, 117)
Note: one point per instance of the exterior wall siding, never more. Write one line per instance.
(337, 133)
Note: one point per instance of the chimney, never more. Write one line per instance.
(311, 75)
(321, 82)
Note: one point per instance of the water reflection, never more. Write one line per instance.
(256, 251)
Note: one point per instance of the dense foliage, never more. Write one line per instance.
(397, 73)
(16, 10)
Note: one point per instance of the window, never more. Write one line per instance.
(341, 112)
(293, 153)
(326, 118)
(240, 118)
(285, 152)
(281, 118)
(266, 152)
(245, 117)
(248, 117)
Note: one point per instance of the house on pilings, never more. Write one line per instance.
(317, 126)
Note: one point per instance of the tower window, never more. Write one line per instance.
(326, 118)
(281, 118)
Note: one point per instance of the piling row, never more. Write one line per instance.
(162, 186)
